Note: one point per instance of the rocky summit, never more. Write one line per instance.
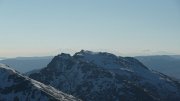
(102, 76)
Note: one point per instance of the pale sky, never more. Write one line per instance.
(127, 27)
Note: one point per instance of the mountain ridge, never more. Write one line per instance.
(16, 87)
(92, 75)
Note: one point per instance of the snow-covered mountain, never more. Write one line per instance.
(27, 64)
(167, 64)
(101, 76)
(16, 87)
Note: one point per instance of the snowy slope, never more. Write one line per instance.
(15, 87)
(101, 76)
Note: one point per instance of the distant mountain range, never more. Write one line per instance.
(167, 64)
(101, 76)
(16, 87)
(27, 64)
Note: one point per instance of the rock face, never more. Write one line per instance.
(101, 76)
(16, 87)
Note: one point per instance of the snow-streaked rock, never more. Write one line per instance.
(101, 76)
(16, 87)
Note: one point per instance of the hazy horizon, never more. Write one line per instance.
(72, 52)
(123, 27)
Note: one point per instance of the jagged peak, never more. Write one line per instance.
(102, 59)
(89, 68)
(87, 52)
(63, 56)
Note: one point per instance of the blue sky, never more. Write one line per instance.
(125, 27)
